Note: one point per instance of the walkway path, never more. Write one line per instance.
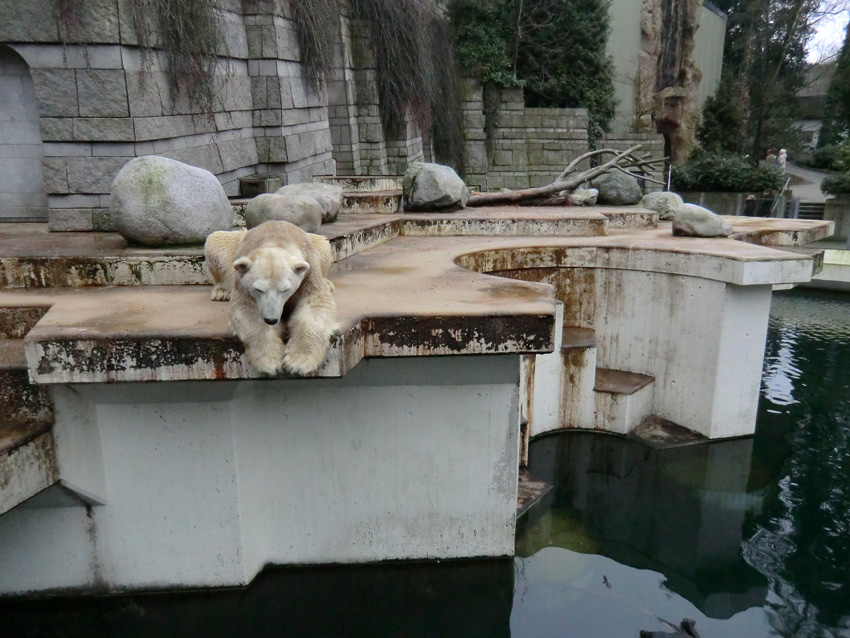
(810, 190)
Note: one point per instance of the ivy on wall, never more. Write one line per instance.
(556, 49)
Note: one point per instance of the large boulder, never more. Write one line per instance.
(301, 210)
(432, 187)
(617, 189)
(695, 221)
(665, 204)
(582, 197)
(329, 197)
(158, 201)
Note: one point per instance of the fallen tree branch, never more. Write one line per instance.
(569, 180)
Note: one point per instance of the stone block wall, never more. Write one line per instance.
(363, 144)
(511, 146)
(98, 106)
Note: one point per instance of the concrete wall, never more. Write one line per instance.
(238, 475)
(624, 45)
(708, 50)
(22, 195)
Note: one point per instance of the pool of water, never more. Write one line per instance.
(749, 537)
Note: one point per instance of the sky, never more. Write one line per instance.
(829, 36)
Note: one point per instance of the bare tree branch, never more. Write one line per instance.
(569, 180)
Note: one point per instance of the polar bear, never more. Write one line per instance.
(281, 306)
(220, 252)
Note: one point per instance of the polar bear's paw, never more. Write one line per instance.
(268, 360)
(220, 293)
(301, 362)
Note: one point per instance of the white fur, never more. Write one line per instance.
(260, 281)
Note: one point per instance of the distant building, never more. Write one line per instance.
(811, 103)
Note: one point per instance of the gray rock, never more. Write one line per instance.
(582, 197)
(433, 186)
(301, 210)
(617, 189)
(695, 221)
(329, 197)
(665, 204)
(158, 201)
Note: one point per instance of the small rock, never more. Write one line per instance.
(329, 197)
(695, 221)
(582, 197)
(433, 186)
(665, 204)
(301, 210)
(157, 201)
(617, 189)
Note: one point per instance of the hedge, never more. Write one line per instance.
(724, 172)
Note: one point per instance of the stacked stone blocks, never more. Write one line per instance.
(511, 146)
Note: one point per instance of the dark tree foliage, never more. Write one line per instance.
(556, 49)
(722, 126)
(561, 55)
(763, 68)
(482, 32)
(837, 123)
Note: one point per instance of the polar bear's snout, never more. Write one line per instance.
(271, 322)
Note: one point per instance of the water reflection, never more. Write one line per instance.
(456, 599)
(749, 537)
(752, 536)
(679, 512)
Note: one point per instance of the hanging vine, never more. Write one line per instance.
(191, 34)
(415, 70)
(318, 26)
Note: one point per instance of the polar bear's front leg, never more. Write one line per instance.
(221, 289)
(264, 347)
(310, 330)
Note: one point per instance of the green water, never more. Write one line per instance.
(749, 537)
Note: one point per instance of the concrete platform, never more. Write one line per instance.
(407, 444)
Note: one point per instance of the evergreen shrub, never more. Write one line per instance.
(836, 184)
(722, 171)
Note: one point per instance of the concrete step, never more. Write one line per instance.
(386, 202)
(27, 461)
(27, 452)
(623, 399)
(20, 400)
(530, 490)
(362, 183)
(16, 322)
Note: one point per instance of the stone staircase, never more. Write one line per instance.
(27, 451)
(367, 194)
(588, 397)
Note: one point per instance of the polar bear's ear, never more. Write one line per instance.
(300, 267)
(242, 265)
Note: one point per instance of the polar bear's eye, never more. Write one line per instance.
(260, 286)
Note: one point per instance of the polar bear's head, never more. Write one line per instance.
(271, 275)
